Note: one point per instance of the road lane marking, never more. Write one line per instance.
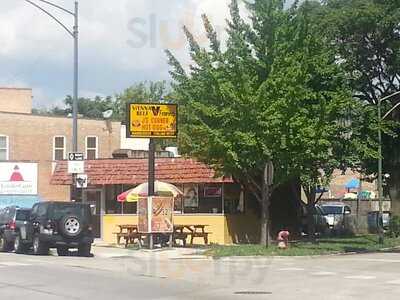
(14, 264)
(362, 277)
(291, 269)
(384, 260)
(323, 273)
(394, 282)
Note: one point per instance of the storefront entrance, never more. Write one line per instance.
(94, 197)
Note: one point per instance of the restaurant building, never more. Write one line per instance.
(210, 200)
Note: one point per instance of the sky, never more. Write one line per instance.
(121, 42)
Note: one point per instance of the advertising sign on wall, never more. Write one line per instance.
(190, 195)
(152, 120)
(159, 220)
(18, 178)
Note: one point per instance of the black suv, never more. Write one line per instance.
(12, 220)
(60, 225)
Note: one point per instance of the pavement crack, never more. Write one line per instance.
(27, 288)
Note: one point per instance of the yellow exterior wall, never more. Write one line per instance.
(216, 226)
(225, 229)
(110, 223)
(242, 229)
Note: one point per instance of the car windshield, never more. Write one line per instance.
(22, 215)
(332, 210)
(61, 210)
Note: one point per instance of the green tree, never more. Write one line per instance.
(143, 92)
(366, 36)
(274, 94)
(90, 108)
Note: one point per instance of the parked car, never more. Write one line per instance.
(12, 219)
(321, 224)
(60, 225)
(335, 215)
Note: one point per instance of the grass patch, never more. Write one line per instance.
(324, 246)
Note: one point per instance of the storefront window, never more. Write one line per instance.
(203, 198)
(196, 199)
(233, 199)
(115, 207)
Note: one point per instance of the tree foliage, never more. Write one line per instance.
(366, 37)
(274, 93)
(93, 108)
(143, 92)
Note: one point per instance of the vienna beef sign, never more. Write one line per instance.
(152, 120)
(18, 178)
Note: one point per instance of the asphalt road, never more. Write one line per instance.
(368, 276)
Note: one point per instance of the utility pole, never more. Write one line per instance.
(380, 188)
(75, 35)
(76, 74)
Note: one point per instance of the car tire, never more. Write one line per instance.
(62, 251)
(84, 250)
(19, 247)
(4, 244)
(39, 247)
(71, 226)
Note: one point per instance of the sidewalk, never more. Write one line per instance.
(105, 250)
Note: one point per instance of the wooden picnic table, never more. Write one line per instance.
(181, 231)
(128, 228)
(129, 232)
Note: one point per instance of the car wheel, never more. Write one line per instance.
(39, 248)
(84, 250)
(19, 247)
(71, 226)
(4, 245)
(62, 251)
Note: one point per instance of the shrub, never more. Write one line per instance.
(394, 226)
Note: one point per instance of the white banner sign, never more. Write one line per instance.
(76, 167)
(18, 178)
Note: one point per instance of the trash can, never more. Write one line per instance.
(372, 220)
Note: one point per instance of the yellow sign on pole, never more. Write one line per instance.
(152, 120)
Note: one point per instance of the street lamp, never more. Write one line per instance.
(74, 34)
(380, 190)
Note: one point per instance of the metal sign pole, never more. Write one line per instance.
(151, 179)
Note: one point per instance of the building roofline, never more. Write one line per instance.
(20, 161)
(52, 116)
(15, 88)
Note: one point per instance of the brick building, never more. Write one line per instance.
(25, 137)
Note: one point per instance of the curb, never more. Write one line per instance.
(227, 258)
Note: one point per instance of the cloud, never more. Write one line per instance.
(121, 42)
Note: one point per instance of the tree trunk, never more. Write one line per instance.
(394, 191)
(265, 224)
(310, 215)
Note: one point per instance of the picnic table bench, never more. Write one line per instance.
(181, 232)
(130, 233)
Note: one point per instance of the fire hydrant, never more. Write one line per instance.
(283, 239)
